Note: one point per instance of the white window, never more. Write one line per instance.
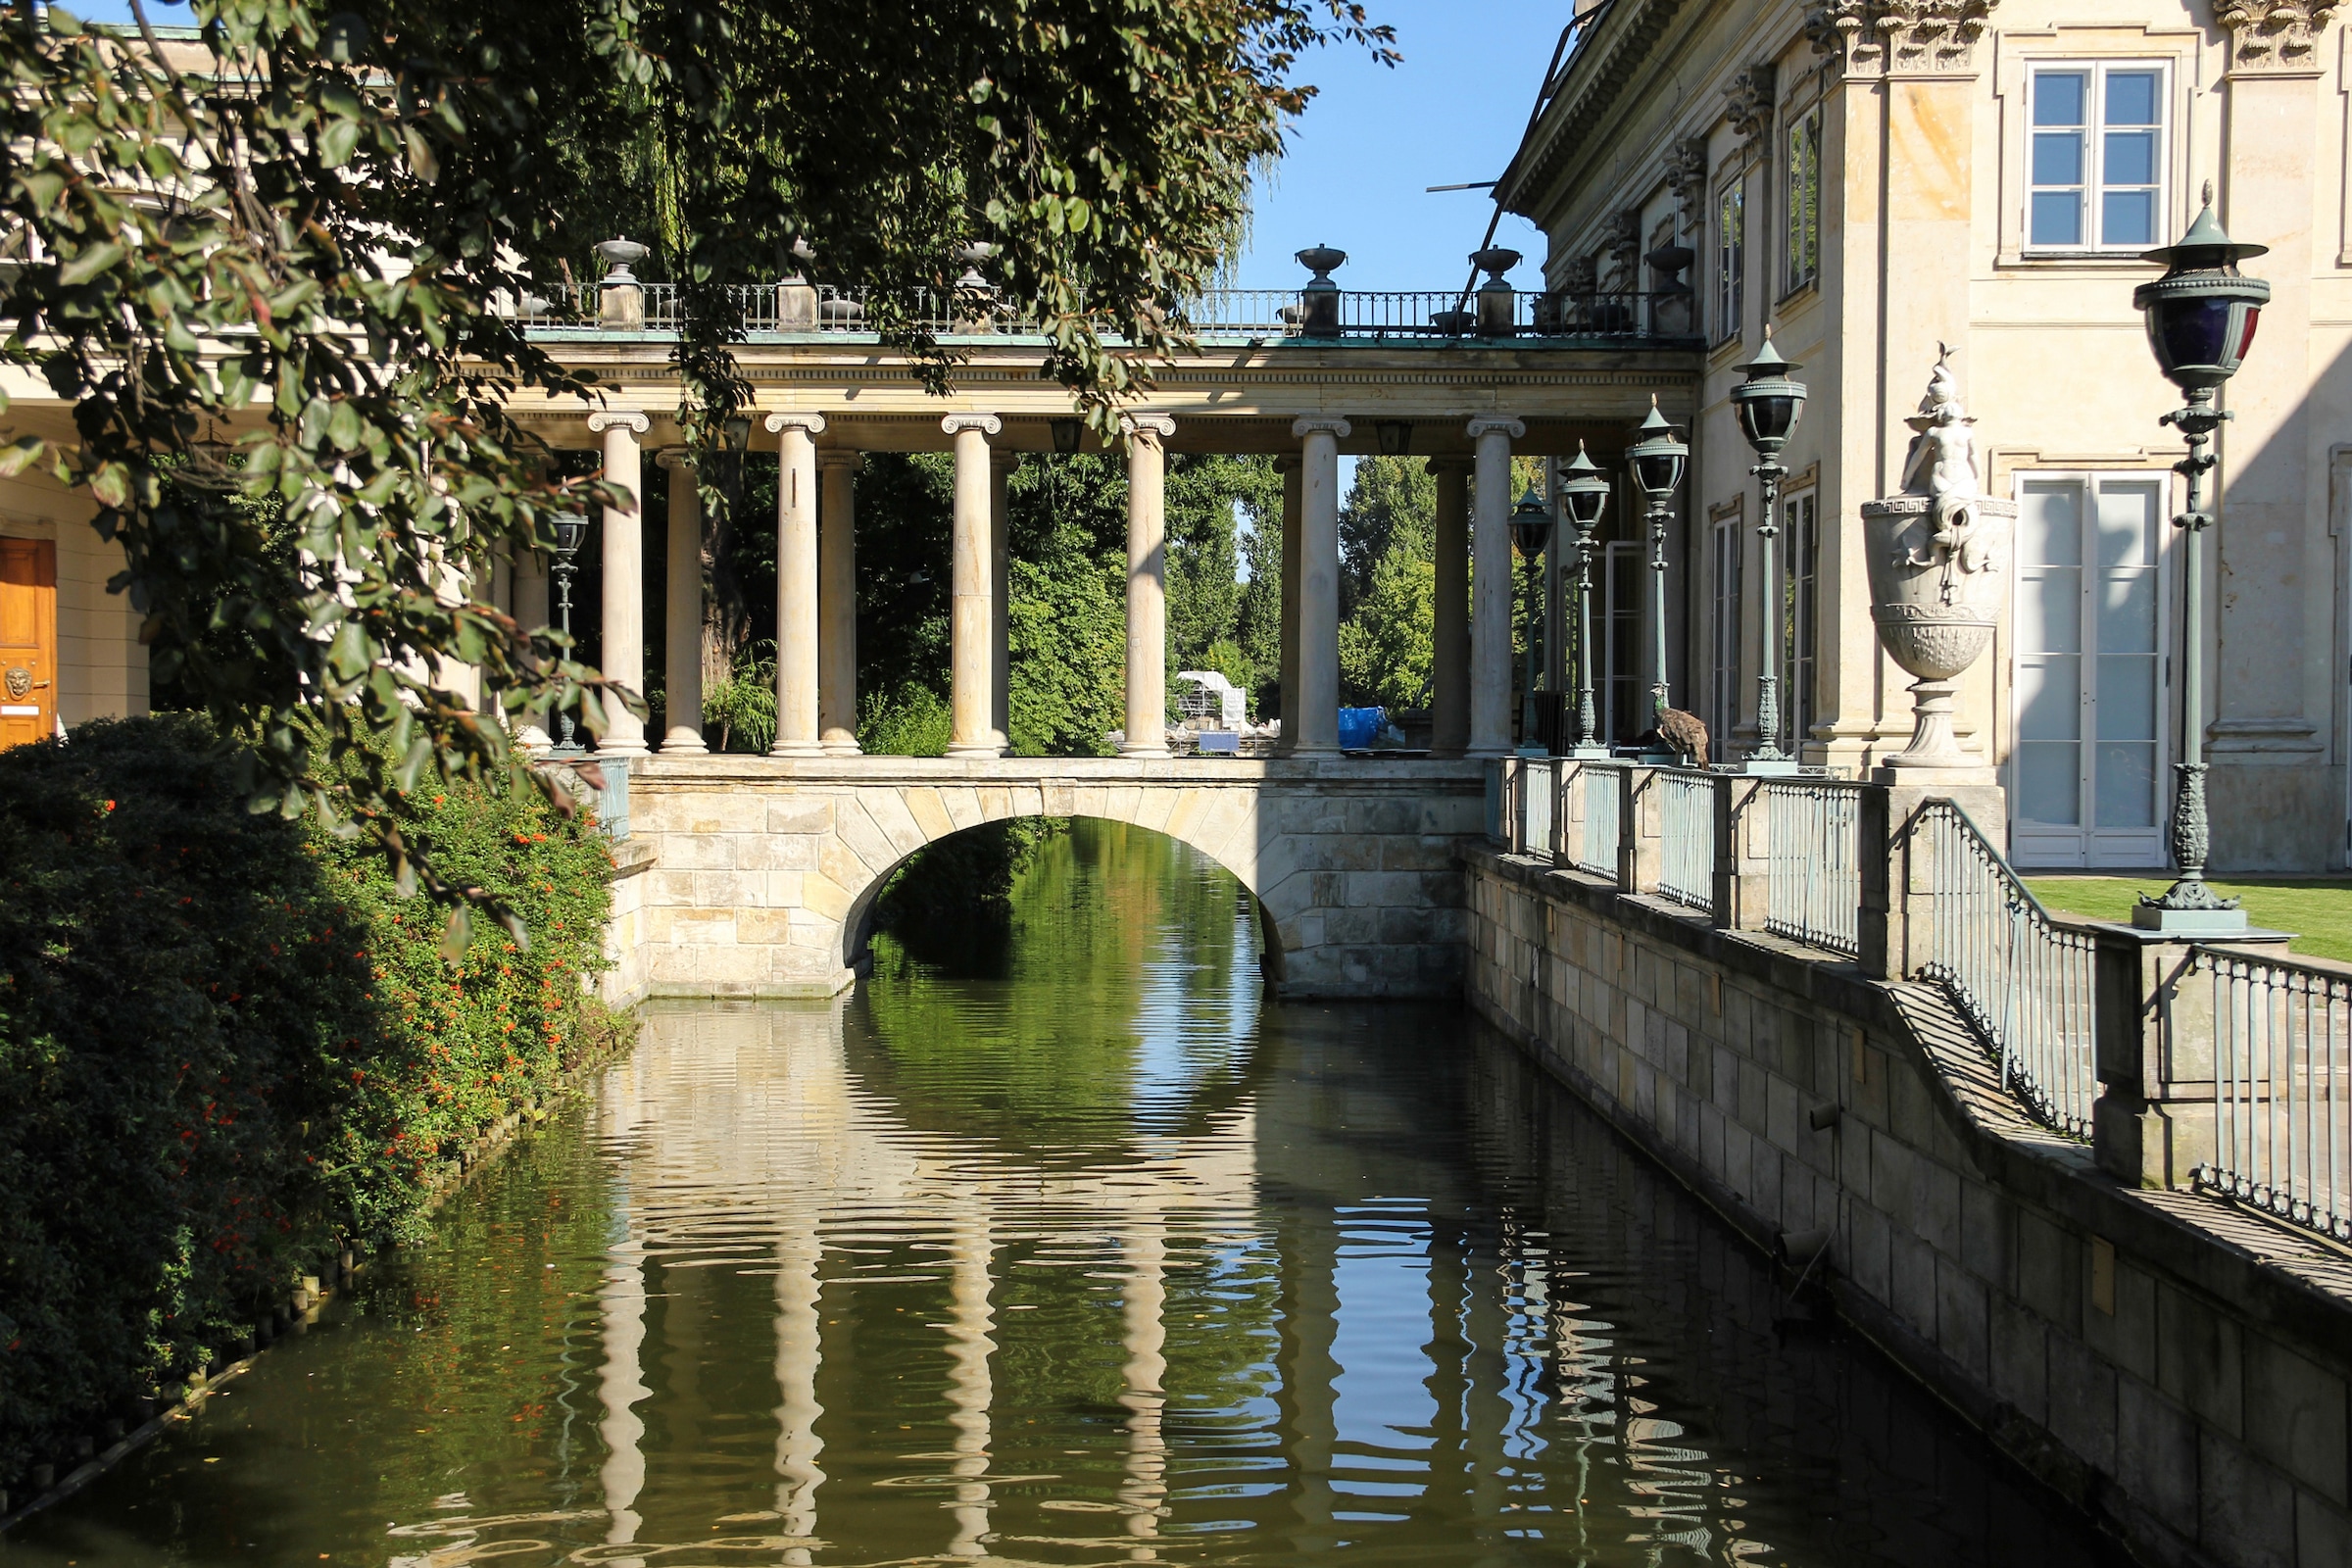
(1803, 206)
(1731, 261)
(2087, 775)
(1624, 595)
(1800, 532)
(2094, 161)
(1723, 628)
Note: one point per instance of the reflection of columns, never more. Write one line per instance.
(1144, 1334)
(970, 1321)
(682, 636)
(530, 614)
(1308, 1320)
(1288, 465)
(837, 602)
(795, 583)
(1000, 596)
(621, 1385)
(1450, 663)
(623, 658)
(972, 706)
(799, 1349)
(1491, 589)
(1318, 732)
(1147, 583)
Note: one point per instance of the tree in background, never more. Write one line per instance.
(1387, 583)
(1208, 498)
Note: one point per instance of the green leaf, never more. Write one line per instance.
(89, 263)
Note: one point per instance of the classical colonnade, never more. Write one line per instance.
(817, 664)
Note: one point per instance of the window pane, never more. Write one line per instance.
(2129, 218)
(2128, 612)
(2058, 157)
(2130, 159)
(2060, 97)
(2048, 783)
(2049, 525)
(2127, 698)
(2057, 219)
(2049, 610)
(2126, 785)
(2130, 97)
(2126, 524)
(2049, 700)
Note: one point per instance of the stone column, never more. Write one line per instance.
(837, 602)
(1450, 661)
(1288, 465)
(1147, 583)
(972, 706)
(1318, 728)
(531, 614)
(623, 659)
(682, 636)
(795, 583)
(1491, 589)
(999, 597)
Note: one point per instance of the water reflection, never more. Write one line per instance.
(1089, 1263)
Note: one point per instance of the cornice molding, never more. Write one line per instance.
(1598, 77)
(1866, 39)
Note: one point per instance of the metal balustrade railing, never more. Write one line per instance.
(1539, 789)
(2281, 1088)
(1686, 836)
(1402, 314)
(1813, 863)
(2023, 980)
(1596, 847)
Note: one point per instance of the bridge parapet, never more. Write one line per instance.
(764, 870)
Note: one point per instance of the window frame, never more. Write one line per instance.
(1800, 218)
(1731, 261)
(1727, 569)
(1800, 623)
(2096, 68)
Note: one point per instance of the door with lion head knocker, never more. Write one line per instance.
(27, 640)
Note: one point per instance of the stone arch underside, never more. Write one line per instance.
(762, 885)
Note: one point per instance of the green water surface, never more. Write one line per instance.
(1093, 1257)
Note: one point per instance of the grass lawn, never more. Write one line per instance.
(2319, 913)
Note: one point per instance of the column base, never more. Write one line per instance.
(847, 748)
(627, 748)
(796, 749)
(1484, 752)
(684, 742)
(1145, 751)
(975, 748)
(1306, 752)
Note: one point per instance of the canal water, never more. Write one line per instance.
(1093, 1256)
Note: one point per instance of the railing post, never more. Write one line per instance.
(1568, 822)
(1884, 866)
(1498, 828)
(1743, 871)
(1640, 830)
(2154, 1031)
(1560, 803)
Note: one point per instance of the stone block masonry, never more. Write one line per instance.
(761, 873)
(2175, 1367)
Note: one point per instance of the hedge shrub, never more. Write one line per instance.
(227, 1046)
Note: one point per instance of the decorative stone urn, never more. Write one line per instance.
(1938, 555)
(620, 298)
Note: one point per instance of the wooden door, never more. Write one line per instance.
(27, 640)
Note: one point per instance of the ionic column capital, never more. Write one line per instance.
(838, 457)
(1490, 423)
(675, 460)
(1307, 424)
(814, 424)
(984, 424)
(631, 420)
(1152, 424)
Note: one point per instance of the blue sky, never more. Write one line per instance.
(1373, 139)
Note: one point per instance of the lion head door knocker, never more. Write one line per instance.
(20, 682)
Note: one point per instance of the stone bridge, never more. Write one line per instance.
(756, 876)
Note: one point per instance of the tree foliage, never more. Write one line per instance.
(310, 228)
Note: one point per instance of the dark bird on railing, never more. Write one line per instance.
(1685, 735)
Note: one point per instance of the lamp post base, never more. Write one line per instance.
(1588, 753)
(2190, 922)
(1766, 767)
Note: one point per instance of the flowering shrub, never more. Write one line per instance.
(227, 1044)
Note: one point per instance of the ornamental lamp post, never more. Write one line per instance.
(1584, 496)
(1657, 459)
(2200, 316)
(571, 532)
(1768, 404)
(1530, 531)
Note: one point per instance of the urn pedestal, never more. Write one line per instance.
(1935, 603)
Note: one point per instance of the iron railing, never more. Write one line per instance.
(1687, 833)
(2281, 1088)
(2023, 980)
(1813, 863)
(1596, 847)
(1539, 789)
(1409, 315)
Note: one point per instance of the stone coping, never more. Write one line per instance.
(2297, 1285)
(1417, 773)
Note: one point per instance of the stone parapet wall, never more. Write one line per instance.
(764, 872)
(2177, 1367)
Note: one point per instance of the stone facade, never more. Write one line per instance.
(2176, 1368)
(764, 872)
